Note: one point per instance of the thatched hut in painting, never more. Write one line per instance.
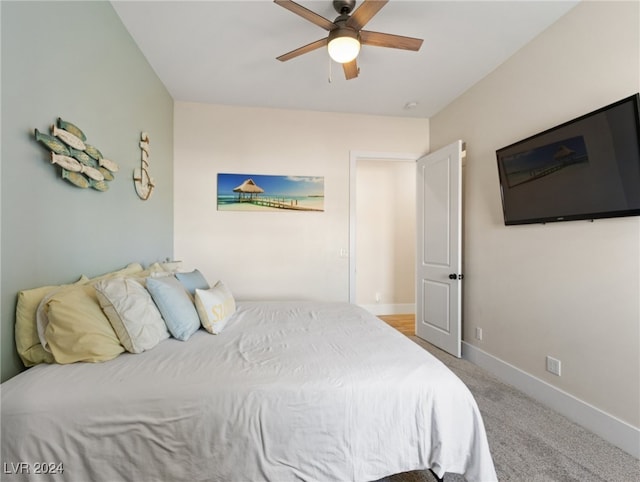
(248, 190)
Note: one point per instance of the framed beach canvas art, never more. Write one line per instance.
(261, 192)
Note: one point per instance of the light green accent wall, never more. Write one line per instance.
(76, 60)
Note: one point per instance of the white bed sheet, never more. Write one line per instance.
(289, 391)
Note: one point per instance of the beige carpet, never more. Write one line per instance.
(530, 442)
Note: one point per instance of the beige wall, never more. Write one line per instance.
(274, 255)
(570, 290)
(386, 235)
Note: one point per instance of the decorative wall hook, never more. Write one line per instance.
(143, 182)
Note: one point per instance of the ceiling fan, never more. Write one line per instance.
(346, 34)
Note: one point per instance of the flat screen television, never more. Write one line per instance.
(586, 168)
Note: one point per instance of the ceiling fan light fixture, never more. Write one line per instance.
(343, 45)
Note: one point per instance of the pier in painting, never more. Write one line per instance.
(240, 192)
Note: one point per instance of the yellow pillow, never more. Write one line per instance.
(28, 343)
(78, 329)
(131, 268)
(26, 331)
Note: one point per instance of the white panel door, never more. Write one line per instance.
(439, 248)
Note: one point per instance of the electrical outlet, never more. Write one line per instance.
(478, 333)
(553, 365)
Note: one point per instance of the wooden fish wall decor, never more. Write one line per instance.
(82, 164)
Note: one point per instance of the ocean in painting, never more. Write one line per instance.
(545, 160)
(259, 192)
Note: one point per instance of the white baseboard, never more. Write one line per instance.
(390, 309)
(610, 428)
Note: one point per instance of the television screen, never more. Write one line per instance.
(586, 168)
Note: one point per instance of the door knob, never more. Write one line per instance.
(456, 276)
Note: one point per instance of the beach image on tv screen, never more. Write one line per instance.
(537, 163)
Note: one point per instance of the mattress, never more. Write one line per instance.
(288, 391)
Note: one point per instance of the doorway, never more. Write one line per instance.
(382, 231)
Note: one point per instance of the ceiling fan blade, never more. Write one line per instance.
(307, 14)
(351, 69)
(378, 39)
(303, 50)
(364, 13)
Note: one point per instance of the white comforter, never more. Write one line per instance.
(289, 391)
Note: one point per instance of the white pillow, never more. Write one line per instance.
(132, 313)
(215, 306)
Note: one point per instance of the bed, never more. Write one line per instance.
(312, 391)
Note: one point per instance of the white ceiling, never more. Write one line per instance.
(224, 52)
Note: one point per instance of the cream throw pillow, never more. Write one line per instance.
(129, 270)
(215, 307)
(132, 313)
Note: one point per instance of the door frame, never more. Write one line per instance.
(354, 157)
